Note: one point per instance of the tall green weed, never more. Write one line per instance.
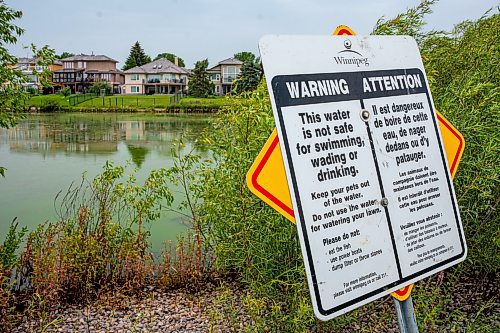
(8, 262)
(464, 72)
(100, 241)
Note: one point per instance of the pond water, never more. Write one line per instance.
(45, 153)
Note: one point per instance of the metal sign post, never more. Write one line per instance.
(406, 315)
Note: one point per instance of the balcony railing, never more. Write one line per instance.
(181, 81)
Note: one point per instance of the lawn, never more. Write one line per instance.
(127, 102)
(44, 100)
(215, 102)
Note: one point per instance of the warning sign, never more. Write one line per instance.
(370, 187)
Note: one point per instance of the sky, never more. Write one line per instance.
(213, 29)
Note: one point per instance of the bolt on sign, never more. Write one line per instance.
(369, 181)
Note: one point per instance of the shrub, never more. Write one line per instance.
(97, 87)
(8, 261)
(100, 241)
(66, 91)
(247, 236)
(463, 70)
(10, 246)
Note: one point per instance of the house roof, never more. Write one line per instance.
(226, 62)
(23, 60)
(231, 61)
(86, 57)
(111, 71)
(159, 66)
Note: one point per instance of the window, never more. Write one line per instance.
(154, 78)
(68, 65)
(229, 74)
(134, 77)
(169, 77)
(230, 70)
(134, 89)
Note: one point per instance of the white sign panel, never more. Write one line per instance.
(372, 195)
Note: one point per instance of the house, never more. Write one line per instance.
(30, 69)
(79, 72)
(158, 77)
(223, 74)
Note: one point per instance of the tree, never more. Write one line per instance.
(66, 91)
(138, 154)
(137, 57)
(250, 74)
(97, 87)
(171, 57)
(199, 83)
(245, 56)
(12, 95)
(65, 55)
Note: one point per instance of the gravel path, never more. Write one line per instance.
(156, 311)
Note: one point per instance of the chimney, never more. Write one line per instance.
(176, 61)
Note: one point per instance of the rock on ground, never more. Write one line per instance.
(155, 311)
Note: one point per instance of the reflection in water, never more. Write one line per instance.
(45, 153)
(98, 134)
(138, 154)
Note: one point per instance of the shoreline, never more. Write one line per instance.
(224, 305)
(153, 310)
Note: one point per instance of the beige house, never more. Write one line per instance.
(223, 74)
(29, 68)
(158, 77)
(79, 72)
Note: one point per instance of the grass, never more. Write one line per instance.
(130, 102)
(215, 102)
(43, 100)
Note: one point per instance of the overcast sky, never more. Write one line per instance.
(213, 29)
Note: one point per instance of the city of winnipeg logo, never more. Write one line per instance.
(350, 57)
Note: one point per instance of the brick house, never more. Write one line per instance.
(79, 72)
